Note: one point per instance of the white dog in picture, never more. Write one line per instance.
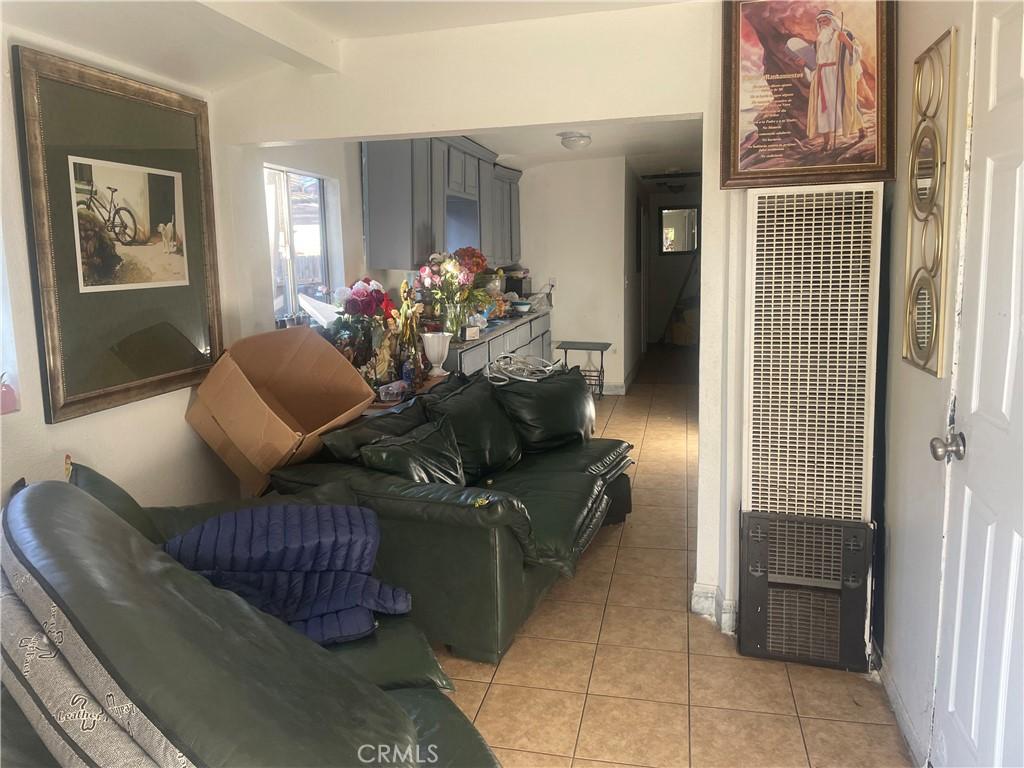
(167, 234)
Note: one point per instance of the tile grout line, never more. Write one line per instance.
(799, 720)
(590, 677)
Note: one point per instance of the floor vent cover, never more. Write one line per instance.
(795, 613)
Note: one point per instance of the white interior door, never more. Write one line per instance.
(979, 716)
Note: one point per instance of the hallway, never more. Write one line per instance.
(613, 670)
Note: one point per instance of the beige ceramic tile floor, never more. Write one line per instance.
(611, 669)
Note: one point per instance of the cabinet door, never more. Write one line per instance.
(472, 172)
(388, 203)
(515, 249)
(456, 170)
(502, 233)
(546, 345)
(487, 223)
(438, 192)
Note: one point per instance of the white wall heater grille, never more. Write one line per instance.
(811, 336)
(811, 342)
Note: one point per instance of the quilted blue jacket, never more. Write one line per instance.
(308, 565)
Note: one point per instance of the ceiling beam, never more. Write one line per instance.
(277, 31)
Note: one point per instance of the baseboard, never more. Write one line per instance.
(918, 747)
(614, 389)
(725, 612)
(703, 601)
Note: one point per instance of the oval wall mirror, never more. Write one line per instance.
(925, 168)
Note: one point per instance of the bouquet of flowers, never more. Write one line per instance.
(364, 328)
(449, 278)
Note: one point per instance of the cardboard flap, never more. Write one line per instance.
(242, 415)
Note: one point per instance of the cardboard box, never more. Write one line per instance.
(268, 399)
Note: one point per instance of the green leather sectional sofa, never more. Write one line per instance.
(114, 654)
(477, 558)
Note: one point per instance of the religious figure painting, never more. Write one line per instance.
(807, 86)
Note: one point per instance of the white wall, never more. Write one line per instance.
(146, 446)
(573, 228)
(916, 409)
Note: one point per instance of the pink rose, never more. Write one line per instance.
(360, 290)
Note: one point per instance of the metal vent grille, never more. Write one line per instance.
(797, 550)
(811, 349)
(803, 623)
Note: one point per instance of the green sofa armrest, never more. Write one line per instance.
(396, 498)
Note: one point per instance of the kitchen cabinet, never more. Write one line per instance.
(397, 224)
(422, 196)
(504, 211)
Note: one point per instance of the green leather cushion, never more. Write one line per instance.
(396, 655)
(598, 456)
(396, 498)
(158, 524)
(344, 443)
(487, 439)
(427, 454)
(553, 411)
(227, 684)
(566, 509)
(446, 738)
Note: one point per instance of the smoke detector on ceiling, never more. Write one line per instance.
(575, 139)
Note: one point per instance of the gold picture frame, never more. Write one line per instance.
(116, 176)
(772, 89)
(928, 205)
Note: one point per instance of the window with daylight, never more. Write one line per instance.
(298, 245)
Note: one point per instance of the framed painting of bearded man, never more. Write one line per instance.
(807, 87)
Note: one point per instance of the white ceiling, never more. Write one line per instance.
(183, 41)
(376, 18)
(651, 146)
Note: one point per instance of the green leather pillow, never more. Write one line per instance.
(551, 412)
(487, 439)
(427, 454)
(344, 443)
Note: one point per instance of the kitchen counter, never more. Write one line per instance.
(526, 335)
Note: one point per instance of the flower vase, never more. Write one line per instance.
(454, 318)
(436, 347)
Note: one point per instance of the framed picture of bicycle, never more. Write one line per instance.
(119, 210)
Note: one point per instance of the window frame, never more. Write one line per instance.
(325, 266)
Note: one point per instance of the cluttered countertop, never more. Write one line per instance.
(497, 327)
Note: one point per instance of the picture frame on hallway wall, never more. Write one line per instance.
(119, 211)
(807, 92)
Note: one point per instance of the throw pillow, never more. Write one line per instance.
(427, 454)
(344, 443)
(487, 439)
(553, 411)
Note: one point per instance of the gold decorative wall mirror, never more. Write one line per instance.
(931, 153)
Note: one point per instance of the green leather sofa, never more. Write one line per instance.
(167, 669)
(478, 558)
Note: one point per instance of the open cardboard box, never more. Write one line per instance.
(268, 399)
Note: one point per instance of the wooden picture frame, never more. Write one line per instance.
(784, 121)
(119, 213)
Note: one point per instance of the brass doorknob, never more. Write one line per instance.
(955, 445)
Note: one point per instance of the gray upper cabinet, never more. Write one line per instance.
(456, 170)
(426, 195)
(505, 248)
(397, 225)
